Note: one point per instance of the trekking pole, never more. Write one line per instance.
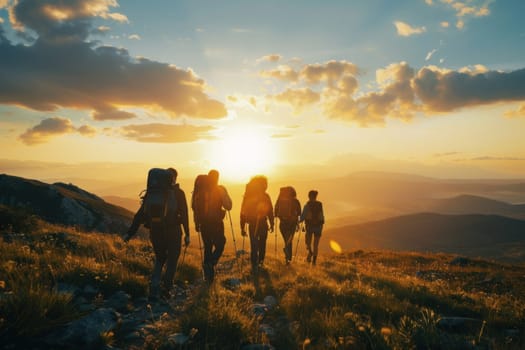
(200, 250)
(275, 241)
(234, 243)
(184, 254)
(297, 246)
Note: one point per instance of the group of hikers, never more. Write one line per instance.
(164, 211)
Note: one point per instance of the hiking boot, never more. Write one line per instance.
(209, 272)
(314, 259)
(154, 293)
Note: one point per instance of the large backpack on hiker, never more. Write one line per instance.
(205, 201)
(160, 200)
(285, 208)
(314, 213)
(253, 205)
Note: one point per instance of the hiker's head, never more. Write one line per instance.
(174, 174)
(213, 175)
(312, 195)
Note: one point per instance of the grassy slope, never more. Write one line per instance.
(358, 300)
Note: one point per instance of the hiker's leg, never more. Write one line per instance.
(316, 247)
(308, 240)
(157, 242)
(219, 241)
(174, 241)
(207, 242)
(263, 235)
(287, 233)
(254, 244)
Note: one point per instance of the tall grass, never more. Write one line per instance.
(357, 300)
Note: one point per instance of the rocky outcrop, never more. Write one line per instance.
(64, 204)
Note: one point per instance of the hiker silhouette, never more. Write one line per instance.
(256, 212)
(313, 216)
(209, 202)
(163, 210)
(288, 210)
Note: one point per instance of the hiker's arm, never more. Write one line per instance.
(301, 219)
(270, 213)
(138, 219)
(297, 209)
(322, 213)
(225, 198)
(184, 220)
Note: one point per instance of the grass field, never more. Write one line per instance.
(352, 300)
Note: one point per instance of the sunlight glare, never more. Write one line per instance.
(335, 247)
(242, 153)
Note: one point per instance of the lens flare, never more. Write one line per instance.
(335, 247)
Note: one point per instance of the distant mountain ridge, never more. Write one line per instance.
(472, 234)
(64, 204)
(470, 204)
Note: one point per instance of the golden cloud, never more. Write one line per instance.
(298, 98)
(405, 29)
(67, 71)
(166, 133)
(51, 127)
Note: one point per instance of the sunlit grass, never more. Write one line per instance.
(356, 300)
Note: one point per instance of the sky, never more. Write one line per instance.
(432, 87)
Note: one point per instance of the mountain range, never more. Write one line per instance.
(397, 212)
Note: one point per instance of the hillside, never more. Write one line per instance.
(64, 289)
(64, 204)
(486, 235)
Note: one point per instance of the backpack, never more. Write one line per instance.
(205, 202)
(253, 205)
(160, 200)
(285, 208)
(314, 213)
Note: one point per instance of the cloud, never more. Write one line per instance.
(490, 158)
(402, 92)
(298, 98)
(165, 133)
(404, 29)
(269, 58)
(465, 10)
(444, 90)
(445, 154)
(520, 112)
(111, 114)
(87, 130)
(134, 37)
(60, 20)
(61, 69)
(330, 71)
(51, 127)
(243, 101)
(444, 24)
(430, 54)
(103, 29)
(282, 72)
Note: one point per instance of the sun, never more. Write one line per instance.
(243, 152)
